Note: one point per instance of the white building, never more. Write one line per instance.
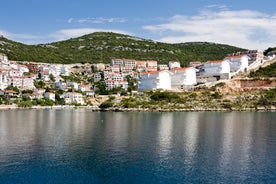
(155, 80)
(3, 81)
(64, 71)
(174, 64)
(183, 78)
(61, 85)
(216, 68)
(163, 67)
(254, 55)
(97, 77)
(21, 83)
(83, 88)
(73, 97)
(110, 84)
(238, 63)
(50, 96)
(118, 62)
(4, 62)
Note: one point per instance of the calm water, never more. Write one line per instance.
(79, 146)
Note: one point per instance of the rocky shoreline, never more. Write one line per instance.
(95, 108)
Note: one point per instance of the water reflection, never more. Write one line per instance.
(165, 128)
(210, 146)
(190, 131)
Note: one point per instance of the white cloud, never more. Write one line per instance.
(72, 33)
(244, 28)
(24, 38)
(96, 20)
(70, 20)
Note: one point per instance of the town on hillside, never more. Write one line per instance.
(80, 84)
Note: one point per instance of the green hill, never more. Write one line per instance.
(268, 71)
(102, 47)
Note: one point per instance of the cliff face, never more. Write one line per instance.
(250, 84)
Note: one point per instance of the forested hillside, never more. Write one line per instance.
(102, 47)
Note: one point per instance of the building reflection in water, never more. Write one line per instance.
(191, 136)
(165, 129)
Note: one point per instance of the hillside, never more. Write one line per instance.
(268, 71)
(102, 46)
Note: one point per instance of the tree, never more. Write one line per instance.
(52, 78)
(39, 84)
(131, 83)
(14, 88)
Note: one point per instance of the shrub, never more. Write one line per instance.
(106, 104)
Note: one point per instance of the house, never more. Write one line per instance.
(118, 62)
(23, 69)
(64, 71)
(4, 62)
(254, 55)
(73, 85)
(98, 67)
(155, 80)
(216, 68)
(130, 63)
(3, 80)
(50, 96)
(83, 88)
(36, 95)
(183, 78)
(73, 97)
(33, 67)
(40, 91)
(61, 85)
(163, 67)
(152, 64)
(110, 84)
(115, 68)
(238, 63)
(21, 83)
(10, 93)
(174, 64)
(97, 77)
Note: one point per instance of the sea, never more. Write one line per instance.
(81, 146)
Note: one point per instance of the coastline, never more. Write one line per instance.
(116, 109)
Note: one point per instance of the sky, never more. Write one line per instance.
(249, 24)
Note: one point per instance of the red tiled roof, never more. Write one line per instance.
(174, 69)
(215, 61)
(234, 57)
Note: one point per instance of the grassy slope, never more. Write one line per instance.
(101, 47)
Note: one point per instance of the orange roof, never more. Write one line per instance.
(174, 69)
(235, 57)
(215, 61)
(9, 91)
(155, 72)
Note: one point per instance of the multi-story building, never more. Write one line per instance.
(155, 80)
(151, 65)
(21, 83)
(219, 69)
(183, 78)
(97, 77)
(117, 62)
(254, 55)
(174, 64)
(163, 67)
(238, 63)
(33, 67)
(131, 63)
(73, 97)
(50, 96)
(4, 62)
(3, 81)
(110, 84)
